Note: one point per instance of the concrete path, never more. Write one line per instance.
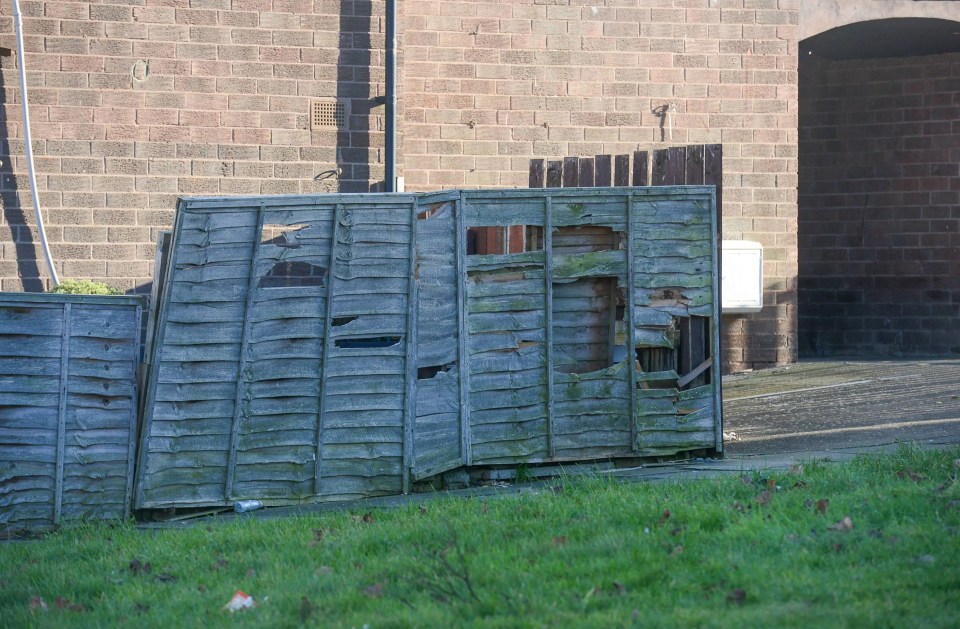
(825, 406)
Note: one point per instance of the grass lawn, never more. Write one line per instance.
(875, 543)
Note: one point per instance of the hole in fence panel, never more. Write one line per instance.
(286, 236)
(588, 325)
(499, 240)
(293, 274)
(587, 239)
(369, 342)
(426, 373)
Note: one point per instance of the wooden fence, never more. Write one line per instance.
(68, 400)
(331, 347)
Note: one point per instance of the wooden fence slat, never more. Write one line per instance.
(410, 358)
(586, 178)
(621, 173)
(676, 165)
(640, 168)
(242, 382)
(658, 174)
(571, 172)
(713, 176)
(536, 173)
(602, 166)
(629, 299)
(694, 167)
(324, 357)
(62, 411)
(138, 387)
(548, 311)
(463, 358)
(554, 173)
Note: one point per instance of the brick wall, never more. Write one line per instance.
(880, 206)
(488, 85)
(484, 86)
(133, 106)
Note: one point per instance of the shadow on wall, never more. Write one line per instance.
(353, 89)
(14, 218)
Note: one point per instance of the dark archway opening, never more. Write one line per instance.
(879, 190)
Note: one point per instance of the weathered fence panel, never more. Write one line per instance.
(68, 400)
(335, 346)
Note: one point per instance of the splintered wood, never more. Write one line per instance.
(331, 347)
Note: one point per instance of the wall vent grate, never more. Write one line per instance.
(328, 114)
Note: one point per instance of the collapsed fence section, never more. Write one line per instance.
(338, 346)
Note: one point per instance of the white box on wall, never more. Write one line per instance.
(741, 281)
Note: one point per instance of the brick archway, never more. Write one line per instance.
(879, 190)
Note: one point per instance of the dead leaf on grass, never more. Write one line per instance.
(141, 608)
(676, 550)
(374, 591)
(37, 602)
(737, 595)
(914, 476)
(843, 526)
(66, 603)
(306, 609)
(251, 573)
(138, 567)
(822, 505)
(746, 480)
(665, 516)
(763, 498)
(619, 588)
(738, 506)
(423, 510)
(166, 577)
(797, 469)
(560, 541)
(956, 464)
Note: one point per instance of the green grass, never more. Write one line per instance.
(592, 553)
